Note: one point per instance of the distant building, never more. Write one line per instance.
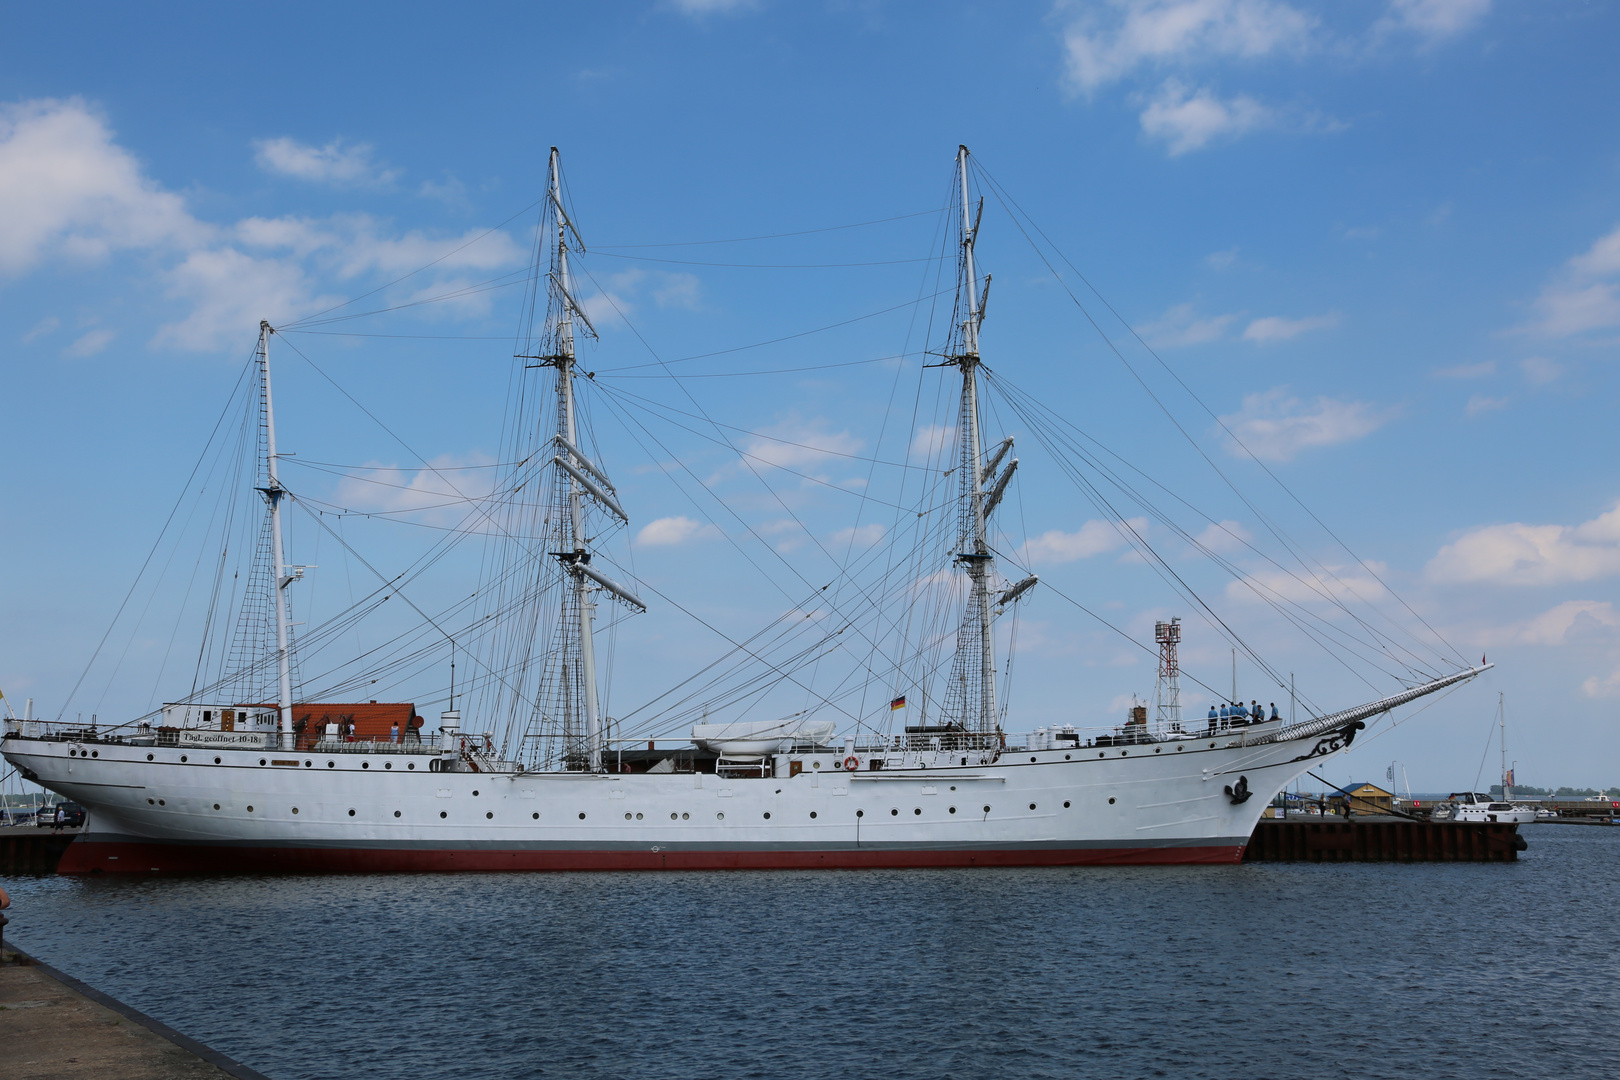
(1363, 799)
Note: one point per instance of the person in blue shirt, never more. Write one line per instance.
(1212, 719)
(1256, 713)
(1226, 712)
(1274, 715)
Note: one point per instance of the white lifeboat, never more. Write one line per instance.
(756, 738)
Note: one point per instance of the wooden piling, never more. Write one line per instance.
(1383, 840)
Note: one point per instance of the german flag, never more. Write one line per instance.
(898, 703)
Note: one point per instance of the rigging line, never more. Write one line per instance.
(422, 337)
(759, 344)
(490, 285)
(770, 236)
(1249, 581)
(762, 266)
(288, 459)
(767, 371)
(1000, 191)
(649, 405)
(1313, 583)
(166, 523)
(418, 270)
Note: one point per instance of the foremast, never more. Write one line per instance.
(281, 574)
(576, 477)
(973, 673)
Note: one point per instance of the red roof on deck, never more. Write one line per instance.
(373, 720)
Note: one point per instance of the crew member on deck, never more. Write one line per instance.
(1212, 718)
(1256, 713)
(1274, 715)
(393, 732)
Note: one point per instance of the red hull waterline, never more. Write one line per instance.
(86, 856)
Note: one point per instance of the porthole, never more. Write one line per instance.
(1158, 749)
(216, 807)
(396, 813)
(97, 753)
(1179, 749)
(953, 809)
(537, 817)
(475, 791)
(1102, 755)
(443, 814)
(148, 757)
(151, 802)
(1066, 757)
(491, 814)
(412, 765)
(815, 764)
(894, 813)
(295, 810)
(581, 813)
(860, 813)
(73, 753)
(216, 761)
(250, 809)
(183, 757)
(388, 764)
(685, 816)
(307, 764)
(627, 817)
(160, 802)
(638, 816)
(1211, 746)
(1032, 806)
(767, 815)
(918, 811)
(987, 809)
(674, 817)
(329, 764)
(1032, 759)
(1110, 802)
(351, 811)
(722, 816)
(365, 764)
(1065, 806)
(1124, 753)
(812, 813)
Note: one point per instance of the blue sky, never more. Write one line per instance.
(1381, 241)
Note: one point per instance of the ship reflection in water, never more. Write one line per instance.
(1250, 970)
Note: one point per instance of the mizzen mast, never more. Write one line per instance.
(281, 573)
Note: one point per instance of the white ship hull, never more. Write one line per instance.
(191, 809)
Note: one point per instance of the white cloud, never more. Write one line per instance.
(800, 445)
(1181, 326)
(445, 493)
(1187, 119)
(89, 344)
(1223, 537)
(1520, 554)
(1468, 371)
(229, 292)
(1337, 583)
(349, 245)
(1275, 426)
(861, 536)
(699, 8)
(67, 188)
(1276, 328)
(1222, 260)
(1539, 370)
(1605, 687)
(677, 290)
(669, 531)
(1433, 19)
(1568, 621)
(334, 163)
(1111, 41)
(48, 325)
(932, 440)
(1479, 404)
(1092, 538)
(1575, 302)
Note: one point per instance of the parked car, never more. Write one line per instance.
(71, 815)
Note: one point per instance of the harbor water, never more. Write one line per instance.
(1319, 970)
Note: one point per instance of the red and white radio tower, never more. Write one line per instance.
(1168, 692)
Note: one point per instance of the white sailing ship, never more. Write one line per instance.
(215, 783)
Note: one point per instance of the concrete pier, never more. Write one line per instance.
(53, 1027)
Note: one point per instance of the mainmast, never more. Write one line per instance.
(577, 476)
(976, 660)
(273, 493)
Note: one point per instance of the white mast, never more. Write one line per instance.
(273, 493)
(577, 471)
(974, 550)
(1501, 719)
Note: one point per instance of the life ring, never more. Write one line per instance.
(852, 763)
